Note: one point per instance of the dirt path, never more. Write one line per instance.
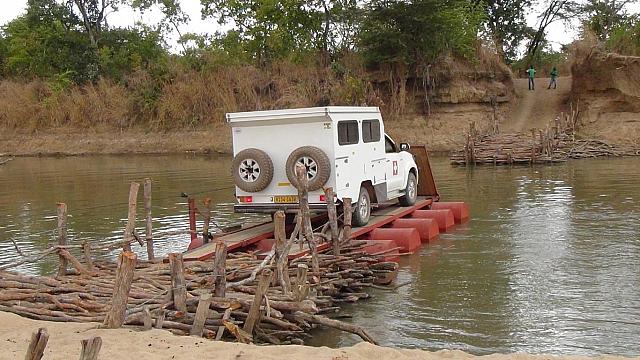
(535, 109)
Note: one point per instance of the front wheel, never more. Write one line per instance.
(362, 211)
(410, 192)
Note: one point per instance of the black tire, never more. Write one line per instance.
(361, 209)
(317, 164)
(252, 170)
(410, 192)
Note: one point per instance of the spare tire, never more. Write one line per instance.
(315, 161)
(252, 170)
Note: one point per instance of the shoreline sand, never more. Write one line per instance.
(129, 343)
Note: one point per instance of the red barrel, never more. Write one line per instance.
(427, 228)
(460, 210)
(386, 249)
(407, 239)
(444, 218)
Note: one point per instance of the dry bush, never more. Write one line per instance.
(22, 105)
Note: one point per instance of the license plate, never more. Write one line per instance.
(285, 199)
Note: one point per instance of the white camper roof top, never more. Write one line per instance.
(297, 113)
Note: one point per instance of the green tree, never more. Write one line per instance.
(506, 25)
(417, 32)
(603, 16)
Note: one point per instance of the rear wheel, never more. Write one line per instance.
(252, 170)
(410, 192)
(362, 209)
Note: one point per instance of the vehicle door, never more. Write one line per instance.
(348, 167)
(394, 170)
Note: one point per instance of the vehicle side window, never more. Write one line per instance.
(348, 132)
(371, 131)
(389, 146)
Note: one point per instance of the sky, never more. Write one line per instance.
(558, 33)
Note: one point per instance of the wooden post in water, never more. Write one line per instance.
(347, 213)
(148, 237)
(62, 236)
(333, 220)
(131, 218)
(307, 230)
(202, 313)
(91, 348)
(206, 214)
(86, 250)
(37, 345)
(253, 317)
(282, 255)
(124, 276)
(219, 269)
(178, 284)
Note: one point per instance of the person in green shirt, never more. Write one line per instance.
(532, 74)
(554, 77)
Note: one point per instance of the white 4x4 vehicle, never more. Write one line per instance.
(344, 148)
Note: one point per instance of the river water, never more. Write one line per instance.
(549, 263)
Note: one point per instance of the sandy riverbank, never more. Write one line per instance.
(64, 343)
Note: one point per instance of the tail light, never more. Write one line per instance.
(245, 199)
(323, 198)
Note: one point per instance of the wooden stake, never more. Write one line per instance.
(219, 269)
(91, 348)
(160, 319)
(178, 284)
(302, 289)
(333, 220)
(225, 317)
(202, 313)
(124, 276)
(62, 236)
(347, 213)
(253, 317)
(206, 214)
(86, 249)
(147, 320)
(149, 220)
(307, 229)
(282, 253)
(38, 342)
(131, 218)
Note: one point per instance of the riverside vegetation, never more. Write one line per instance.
(71, 83)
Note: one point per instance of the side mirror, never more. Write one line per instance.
(405, 147)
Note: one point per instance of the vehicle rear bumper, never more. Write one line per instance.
(272, 208)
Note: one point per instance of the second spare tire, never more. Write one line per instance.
(316, 163)
(252, 170)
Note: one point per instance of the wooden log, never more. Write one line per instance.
(225, 319)
(124, 276)
(131, 218)
(91, 348)
(323, 320)
(202, 313)
(206, 215)
(86, 250)
(348, 212)
(333, 220)
(254, 315)
(76, 264)
(62, 236)
(148, 237)
(37, 345)
(302, 288)
(178, 284)
(219, 269)
(307, 229)
(282, 253)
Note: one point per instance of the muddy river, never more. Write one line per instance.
(549, 263)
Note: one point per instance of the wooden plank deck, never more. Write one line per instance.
(383, 215)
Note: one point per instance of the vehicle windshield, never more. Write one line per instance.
(389, 145)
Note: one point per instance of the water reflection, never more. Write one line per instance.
(549, 263)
